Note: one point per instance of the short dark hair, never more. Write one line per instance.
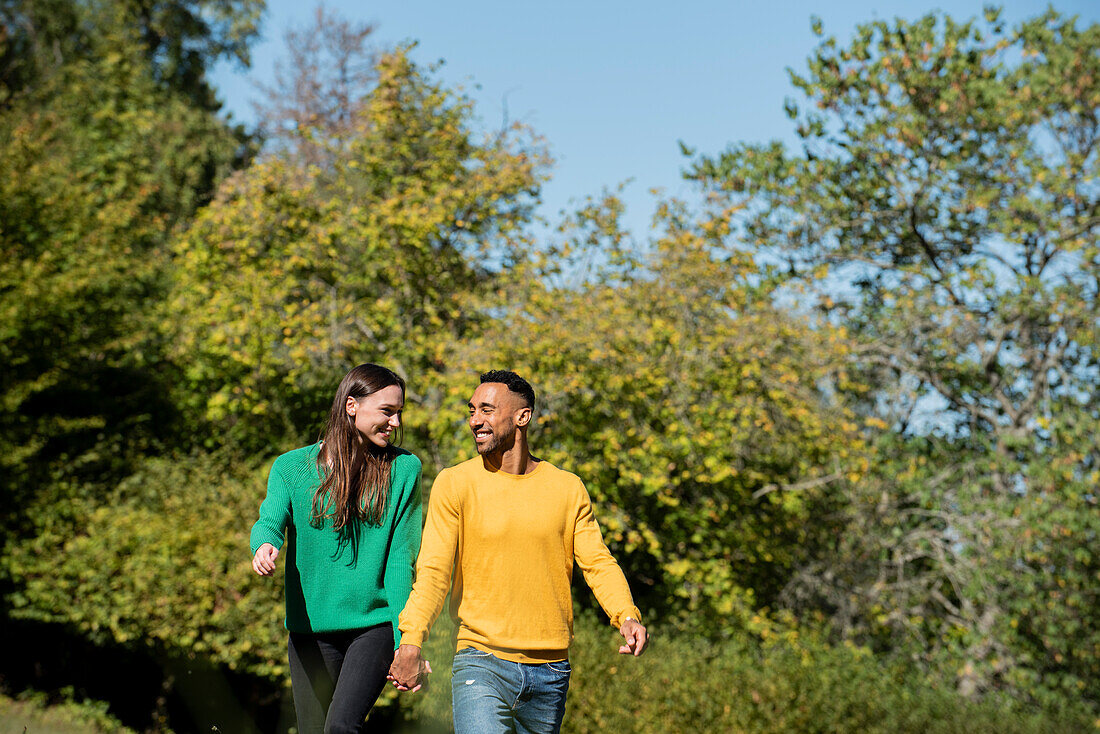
(513, 382)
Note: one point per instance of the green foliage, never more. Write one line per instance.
(690, 406)
(177, 40)
(1053, 615)
(952, 551)
(35, 712)
(789, 682)
(945, 172)
(163, 565)
(100, 164)
(293, 274)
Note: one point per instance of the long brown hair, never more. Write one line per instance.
(356, 473)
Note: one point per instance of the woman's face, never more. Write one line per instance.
(378, 415)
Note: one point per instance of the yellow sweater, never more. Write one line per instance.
(511, 541)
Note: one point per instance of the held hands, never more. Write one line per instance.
(263, 562)
(409, 672)
(636, 638)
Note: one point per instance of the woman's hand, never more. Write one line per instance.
(263, 562)
(422, 681)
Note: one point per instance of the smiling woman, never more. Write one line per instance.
(349, 564)
(357, 452)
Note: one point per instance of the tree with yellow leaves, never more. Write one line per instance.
(697, 411)
(296, 271)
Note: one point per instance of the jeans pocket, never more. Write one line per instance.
(561, 667)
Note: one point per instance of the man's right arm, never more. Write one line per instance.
(433, 580)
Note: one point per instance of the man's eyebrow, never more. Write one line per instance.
(482, 404)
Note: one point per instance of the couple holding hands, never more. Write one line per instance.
(502, 534)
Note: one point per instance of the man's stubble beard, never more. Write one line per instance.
(493, 444)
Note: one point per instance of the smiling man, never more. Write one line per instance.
(510, 527)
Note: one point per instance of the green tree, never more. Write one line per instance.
(946, 182)
(690, 405)
(101, 162)
(297, 272)
(178, 39)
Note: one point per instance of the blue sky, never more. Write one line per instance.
(613, 85)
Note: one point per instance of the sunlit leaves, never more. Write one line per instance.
(101, 163)
(160, 568)
(946, 178)
(294, 273)
(691, 407)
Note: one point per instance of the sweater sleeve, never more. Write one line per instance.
(435, 563)
(404, 547)
(275, 513)
(601, 571)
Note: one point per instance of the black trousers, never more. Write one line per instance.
(337, 676)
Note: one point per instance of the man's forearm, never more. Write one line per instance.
(429, 592)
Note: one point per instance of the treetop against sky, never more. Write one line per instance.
(614, 86)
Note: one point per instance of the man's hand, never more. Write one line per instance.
(635, 636)
(263, 562)
(408, 671)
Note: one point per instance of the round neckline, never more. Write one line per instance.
(516, 477)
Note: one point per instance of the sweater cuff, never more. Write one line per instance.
(412, 637)
(618, 619)
(259, 538)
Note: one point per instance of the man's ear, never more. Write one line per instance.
(524, 417)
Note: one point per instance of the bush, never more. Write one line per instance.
(164, 566)
(790, 682)
(34, 711)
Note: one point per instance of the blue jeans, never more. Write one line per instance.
(490, 695)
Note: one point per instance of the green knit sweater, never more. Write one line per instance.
(339, 583)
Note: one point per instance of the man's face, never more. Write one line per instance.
(494, 412)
